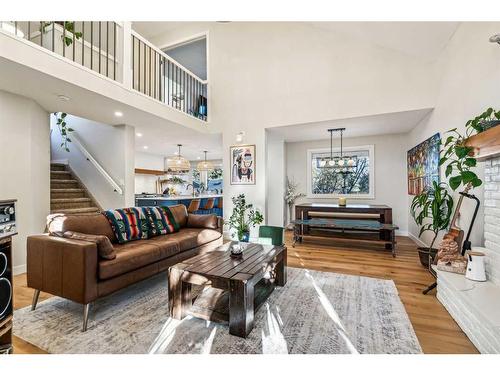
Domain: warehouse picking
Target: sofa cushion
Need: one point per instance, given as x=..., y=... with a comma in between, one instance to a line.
x=104, y=246
x=129, y=256
x=96, y=224
x=160, y=221
x=168, y=246
x=189, y=238
x=202, y=221
x=179, y=211
x=128, y=224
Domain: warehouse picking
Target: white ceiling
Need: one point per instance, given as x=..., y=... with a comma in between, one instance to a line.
x=387, y=123
x=424, y=40
x=160, y=142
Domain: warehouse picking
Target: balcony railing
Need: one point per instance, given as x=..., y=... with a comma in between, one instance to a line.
x=93, y=44
x=115, y=51
x=159, y=76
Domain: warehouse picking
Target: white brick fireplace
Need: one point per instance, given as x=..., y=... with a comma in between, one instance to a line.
x=476, y=305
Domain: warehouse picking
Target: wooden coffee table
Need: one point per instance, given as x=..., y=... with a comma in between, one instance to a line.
x=240, y=279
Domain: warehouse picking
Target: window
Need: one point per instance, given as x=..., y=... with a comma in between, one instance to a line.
x=332, y=183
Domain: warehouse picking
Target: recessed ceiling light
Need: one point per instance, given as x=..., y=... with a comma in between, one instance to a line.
x=138, y=134
x=118, y=114
x=64, y=98
x=146, y=147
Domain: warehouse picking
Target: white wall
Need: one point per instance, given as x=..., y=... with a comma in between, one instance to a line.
x=390, y=171
x=470, y=83
x=275, y=179
x=274, y=74
x=145, y=183
x=25, y=170
x=112, y=147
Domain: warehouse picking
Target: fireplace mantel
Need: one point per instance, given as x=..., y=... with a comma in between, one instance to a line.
x=486, y=144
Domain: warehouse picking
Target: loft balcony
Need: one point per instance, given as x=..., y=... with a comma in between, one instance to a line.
x=113, y=51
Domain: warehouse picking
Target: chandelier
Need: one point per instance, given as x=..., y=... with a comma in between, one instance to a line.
x=340, y=164
x=205, y=165
x=177, y=164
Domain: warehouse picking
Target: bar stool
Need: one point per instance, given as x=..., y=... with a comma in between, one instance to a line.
x=194, y=205
x=220, y=205
x=209, y=205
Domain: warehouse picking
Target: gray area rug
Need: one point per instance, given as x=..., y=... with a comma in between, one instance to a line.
x=316, y=312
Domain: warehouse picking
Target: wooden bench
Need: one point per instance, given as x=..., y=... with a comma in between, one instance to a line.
x=302, y=230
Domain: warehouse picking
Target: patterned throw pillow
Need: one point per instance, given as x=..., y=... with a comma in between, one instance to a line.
x=173, y=225
x=127, y=224
x=161, y=221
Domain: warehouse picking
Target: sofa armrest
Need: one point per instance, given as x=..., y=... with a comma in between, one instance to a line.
x=63, y=267
x=220, y=224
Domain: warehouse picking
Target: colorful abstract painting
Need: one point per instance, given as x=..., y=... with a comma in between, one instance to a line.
x=423, y=165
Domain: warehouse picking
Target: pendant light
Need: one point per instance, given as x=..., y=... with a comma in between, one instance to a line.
x=177, y=164
x=344, y=165
x=205, y=165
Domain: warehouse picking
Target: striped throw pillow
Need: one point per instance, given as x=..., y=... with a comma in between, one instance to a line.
x=127, y=223
x=158, y=223
x=173, y=225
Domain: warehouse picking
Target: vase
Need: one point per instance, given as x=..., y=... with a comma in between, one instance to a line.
x=244, y=236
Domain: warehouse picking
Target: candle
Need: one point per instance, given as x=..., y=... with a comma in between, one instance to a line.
x=342, y=201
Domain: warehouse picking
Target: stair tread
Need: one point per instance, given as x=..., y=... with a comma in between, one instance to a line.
x=63, y=200
x=75, y=210
x=63, y=180
x=68, y=190
x=60, y=172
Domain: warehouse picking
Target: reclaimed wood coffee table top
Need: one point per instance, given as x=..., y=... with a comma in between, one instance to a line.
x=220, y=264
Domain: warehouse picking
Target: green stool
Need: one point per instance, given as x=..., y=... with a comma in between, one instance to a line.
x=275, y=234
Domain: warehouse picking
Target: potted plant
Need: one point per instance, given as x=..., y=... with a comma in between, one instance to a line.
x=291, y=195
x=240, y=220
x=432, y=212
x=486, y=120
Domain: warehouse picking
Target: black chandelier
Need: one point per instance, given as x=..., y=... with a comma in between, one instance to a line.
x=340, y=164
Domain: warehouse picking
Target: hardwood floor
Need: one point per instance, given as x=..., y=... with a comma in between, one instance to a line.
x=437, y=332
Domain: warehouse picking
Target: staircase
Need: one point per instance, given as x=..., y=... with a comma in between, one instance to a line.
x=67, y=194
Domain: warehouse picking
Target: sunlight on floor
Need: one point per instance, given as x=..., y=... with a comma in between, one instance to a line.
x=273, y=341
x=165, y=336
x=330, y=310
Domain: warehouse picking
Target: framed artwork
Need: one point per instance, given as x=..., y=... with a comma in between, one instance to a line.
x=242, y=164
x=423, y=165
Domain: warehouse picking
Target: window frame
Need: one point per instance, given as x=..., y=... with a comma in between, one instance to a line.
x=371, y=156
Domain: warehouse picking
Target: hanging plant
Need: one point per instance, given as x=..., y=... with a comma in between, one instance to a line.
x=458, y=157
x=64, y=130
x=487, y=119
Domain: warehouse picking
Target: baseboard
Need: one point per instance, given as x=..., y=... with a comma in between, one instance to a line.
x=417, y=240
x=17, y=270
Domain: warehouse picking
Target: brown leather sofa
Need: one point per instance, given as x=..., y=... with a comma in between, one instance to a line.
x=73, y=269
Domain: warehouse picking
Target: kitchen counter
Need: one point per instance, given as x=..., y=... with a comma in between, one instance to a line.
x=179, y=197
x=141, y=201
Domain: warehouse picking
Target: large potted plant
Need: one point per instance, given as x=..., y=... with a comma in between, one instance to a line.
x=243, y=217
x=432, y=211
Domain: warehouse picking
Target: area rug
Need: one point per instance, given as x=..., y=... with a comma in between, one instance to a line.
x=316, y=312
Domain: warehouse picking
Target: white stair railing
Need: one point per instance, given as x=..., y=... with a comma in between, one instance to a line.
x=77, y=142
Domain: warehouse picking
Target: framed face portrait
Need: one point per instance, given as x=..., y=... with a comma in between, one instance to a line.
x=242, y=159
